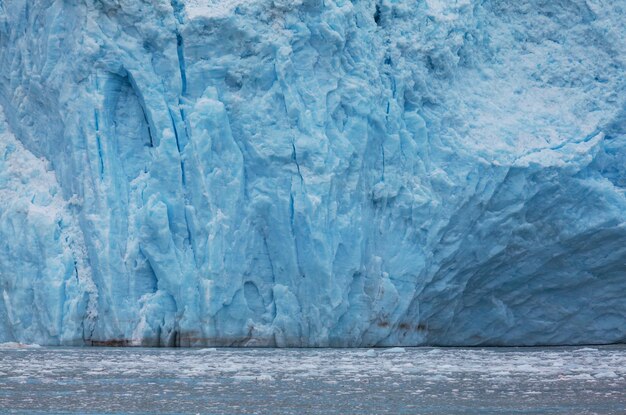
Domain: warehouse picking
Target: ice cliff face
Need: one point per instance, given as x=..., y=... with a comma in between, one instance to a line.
x=312, y=172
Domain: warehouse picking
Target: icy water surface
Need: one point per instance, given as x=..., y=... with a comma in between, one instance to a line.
x=323, y=381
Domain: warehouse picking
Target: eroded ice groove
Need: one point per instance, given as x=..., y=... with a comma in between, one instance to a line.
x=314, y=173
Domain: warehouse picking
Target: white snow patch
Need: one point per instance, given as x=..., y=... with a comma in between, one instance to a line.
x=210, y=8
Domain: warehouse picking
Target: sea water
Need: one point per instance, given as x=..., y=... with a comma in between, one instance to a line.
x=570, y=380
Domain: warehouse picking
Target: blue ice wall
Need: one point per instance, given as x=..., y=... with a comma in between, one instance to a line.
x=312, y=172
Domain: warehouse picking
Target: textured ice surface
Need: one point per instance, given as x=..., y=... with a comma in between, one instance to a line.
x=312, y=173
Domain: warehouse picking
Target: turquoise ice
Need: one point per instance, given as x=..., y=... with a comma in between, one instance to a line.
x=312, y=172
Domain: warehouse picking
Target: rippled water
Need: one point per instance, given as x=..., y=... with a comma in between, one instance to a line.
x=324, y=381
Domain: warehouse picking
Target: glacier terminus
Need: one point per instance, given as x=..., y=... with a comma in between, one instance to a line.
x=312, y=173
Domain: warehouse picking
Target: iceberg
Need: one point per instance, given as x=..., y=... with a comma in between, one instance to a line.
x=312, y=173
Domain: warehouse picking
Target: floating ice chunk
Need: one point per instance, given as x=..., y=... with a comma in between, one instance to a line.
x=395, y=350
x=16, y=345
x=580, y=376
x=260, y=378
x=207, y=350
x=609, y=374
x=371, y=353
x=585, y=350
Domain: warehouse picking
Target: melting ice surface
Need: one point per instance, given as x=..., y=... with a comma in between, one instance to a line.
x=312, y=173
x=329, y=381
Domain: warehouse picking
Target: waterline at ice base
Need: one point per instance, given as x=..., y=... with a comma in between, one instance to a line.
x=312, y=173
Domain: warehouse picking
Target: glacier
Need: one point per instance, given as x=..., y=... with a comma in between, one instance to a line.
x=312, y=173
